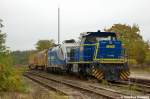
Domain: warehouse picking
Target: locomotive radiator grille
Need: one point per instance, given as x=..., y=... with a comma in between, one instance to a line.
x=97, y=73
x=124, y=75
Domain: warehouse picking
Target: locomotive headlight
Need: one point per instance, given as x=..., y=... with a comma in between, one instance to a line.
x=81, y=49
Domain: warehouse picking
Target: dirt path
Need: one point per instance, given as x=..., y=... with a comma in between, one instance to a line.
x=139, y=74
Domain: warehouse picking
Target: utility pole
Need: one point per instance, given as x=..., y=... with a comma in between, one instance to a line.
x=58, y=25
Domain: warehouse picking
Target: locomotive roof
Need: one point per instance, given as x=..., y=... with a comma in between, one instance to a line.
x=100, y=34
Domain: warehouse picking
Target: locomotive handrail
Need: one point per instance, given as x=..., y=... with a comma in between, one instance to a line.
x=79, y=59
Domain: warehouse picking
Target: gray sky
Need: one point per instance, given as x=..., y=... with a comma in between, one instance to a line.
x=27, y=21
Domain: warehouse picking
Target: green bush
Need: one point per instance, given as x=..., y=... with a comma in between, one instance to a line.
x=10, y=78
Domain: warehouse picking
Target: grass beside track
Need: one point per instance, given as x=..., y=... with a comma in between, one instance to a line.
x=34, y=91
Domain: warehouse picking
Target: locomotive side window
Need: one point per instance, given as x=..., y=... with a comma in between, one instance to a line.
x=71, y=54
x=90, y=39
x=94, y=39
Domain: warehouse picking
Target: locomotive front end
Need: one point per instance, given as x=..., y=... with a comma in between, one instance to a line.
x=110, y=61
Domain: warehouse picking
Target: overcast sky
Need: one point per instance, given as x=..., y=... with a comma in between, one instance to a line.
x=27, y=21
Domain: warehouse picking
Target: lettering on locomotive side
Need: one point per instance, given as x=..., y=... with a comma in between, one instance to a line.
x=110, y=46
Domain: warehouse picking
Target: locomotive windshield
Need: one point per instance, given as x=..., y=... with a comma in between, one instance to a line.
x=97, y=39
x=107, y=38
x=94, y=37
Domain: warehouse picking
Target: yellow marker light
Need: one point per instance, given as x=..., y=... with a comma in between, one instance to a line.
x=110, y=46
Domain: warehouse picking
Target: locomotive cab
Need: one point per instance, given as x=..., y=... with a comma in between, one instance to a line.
x=95, y=37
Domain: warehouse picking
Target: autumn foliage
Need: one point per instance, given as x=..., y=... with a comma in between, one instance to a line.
x=138, y=50
x=10, y=78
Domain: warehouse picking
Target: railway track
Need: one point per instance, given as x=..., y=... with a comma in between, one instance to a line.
x=136, y=85
x=140, y=81
x=143, y=84
x=73, y=88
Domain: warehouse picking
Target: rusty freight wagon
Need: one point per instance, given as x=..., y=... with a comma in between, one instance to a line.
x=38, y=60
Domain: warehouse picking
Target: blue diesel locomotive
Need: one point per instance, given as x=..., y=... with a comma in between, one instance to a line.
x=97, y=54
